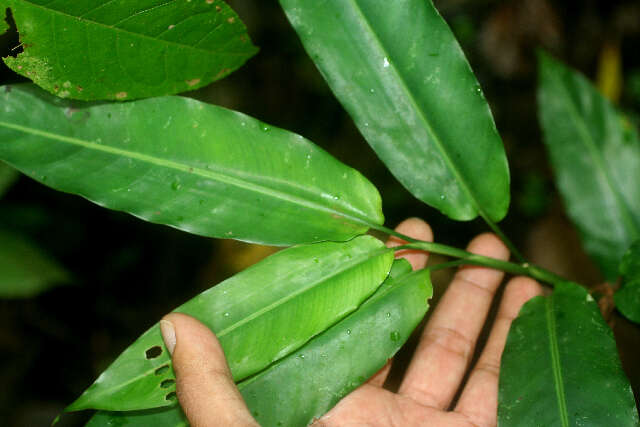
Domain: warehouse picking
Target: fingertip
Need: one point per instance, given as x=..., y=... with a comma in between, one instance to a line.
x=204, y=383
x=518, y=291
x=418, y=229
x=488, y=244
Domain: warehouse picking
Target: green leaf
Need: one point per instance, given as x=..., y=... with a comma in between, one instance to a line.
x=627, y=299
x=26, y=271
x=560, y=366
x=596, y=156
x=4, y=26
x=184, y=163
x=399, y=72
x=251, y=315
x=310, y=381
x=8, y=176
x=126, y=50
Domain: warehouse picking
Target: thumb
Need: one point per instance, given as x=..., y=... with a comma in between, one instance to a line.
x=204, y=385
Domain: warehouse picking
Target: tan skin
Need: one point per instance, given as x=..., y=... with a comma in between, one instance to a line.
x=210, y=398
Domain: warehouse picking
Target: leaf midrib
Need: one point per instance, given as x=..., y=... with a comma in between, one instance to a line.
x=555, y=361
x=421, y=114
x=143, y=36
x=345, y=267
x=594, y=153
x=215, y=176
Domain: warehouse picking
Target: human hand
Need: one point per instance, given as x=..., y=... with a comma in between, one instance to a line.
x=209, y=396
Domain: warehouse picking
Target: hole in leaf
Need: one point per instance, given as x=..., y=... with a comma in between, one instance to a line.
x=162, y=370
x=171, y=396
x=167, y=383
x=153, y=352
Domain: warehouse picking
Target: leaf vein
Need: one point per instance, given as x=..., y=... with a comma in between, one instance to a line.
x=227, y=178
x=555, y=361
x=144, y=36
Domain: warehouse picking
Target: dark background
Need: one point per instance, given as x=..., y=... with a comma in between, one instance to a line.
x=129, y=273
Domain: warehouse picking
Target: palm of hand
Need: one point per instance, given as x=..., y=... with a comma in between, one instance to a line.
x=209, y=397
x=444, y=353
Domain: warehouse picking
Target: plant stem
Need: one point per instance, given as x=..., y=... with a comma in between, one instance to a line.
x=494, y=227
x=391, y=232
x=523, y=269
x=512, y=248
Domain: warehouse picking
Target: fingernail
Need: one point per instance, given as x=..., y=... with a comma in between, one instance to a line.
x=168, y=335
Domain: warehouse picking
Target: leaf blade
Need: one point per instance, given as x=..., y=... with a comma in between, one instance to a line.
x=297, y=401
x=8, y=176
x=595, y=154
x=560, y=366
x=194, y=166
x=26, y=270
x=342, y=358
x=378, y=74
x=326, y=281
x=121, y=50
x=627, y=298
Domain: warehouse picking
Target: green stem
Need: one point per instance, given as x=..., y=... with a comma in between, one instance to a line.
x=512, y=248
x=393, y=233
x=443, y=265
x=516, y=253
x=523, y=269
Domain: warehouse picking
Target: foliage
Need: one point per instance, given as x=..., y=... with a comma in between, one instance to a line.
x=126, y=50
x=293, y=324
x=8, y=176
x=187, y=164
x=338, y=360
x=414, y=99
x=325, y=281
x=628, y=297
x=596, y=156
x=566, y=342
x=26, y=270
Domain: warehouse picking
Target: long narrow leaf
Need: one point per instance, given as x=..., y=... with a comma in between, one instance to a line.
x=627, y=299
x=8, y=176
x=400, y=73
x=252, y=314
x=309, y=382
x=560, y=366
x=4, y=26
x=191, y=165
x=26, y=271
x=121, y=50
x=595, y=153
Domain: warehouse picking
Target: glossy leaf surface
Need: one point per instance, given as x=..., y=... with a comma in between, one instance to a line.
x=627, y=299
x=251, y=314
x=120, y=50
x=194, y=166
x=310, y=381
x=8, y=177
x=25, y=270
x=400, y=73
x=560, y=366
x=595, y=153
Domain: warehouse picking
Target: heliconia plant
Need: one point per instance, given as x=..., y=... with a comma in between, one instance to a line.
x=293, y=324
